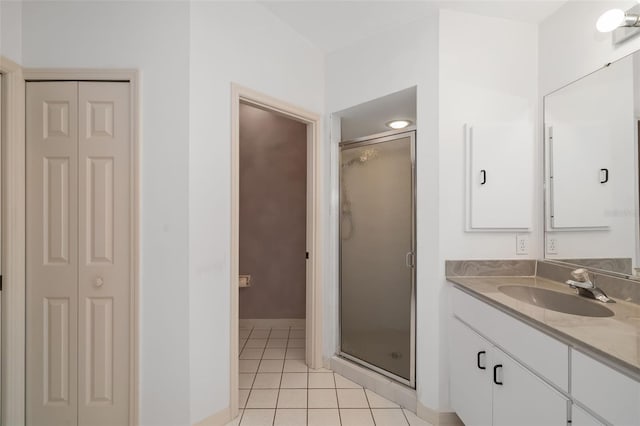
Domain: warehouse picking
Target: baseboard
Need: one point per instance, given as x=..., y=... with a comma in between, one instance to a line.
x=272, y=323
x=437, y=418
x=220, y=418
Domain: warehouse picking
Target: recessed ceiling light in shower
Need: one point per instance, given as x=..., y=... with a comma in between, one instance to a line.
x=398, y=124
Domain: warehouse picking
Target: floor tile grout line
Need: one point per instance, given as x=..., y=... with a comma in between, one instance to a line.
x=338, y=403
x=256, y=374
x=405, y=416
x=245, y=340
x=250, y=389
x=369, y=404
x=307, y=368
x=275, y=413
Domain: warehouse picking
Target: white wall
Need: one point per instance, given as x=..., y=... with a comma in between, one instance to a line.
x=154, y=38
x=487, y=75
x=391, y=61
x=11, y=30
x=243, y=43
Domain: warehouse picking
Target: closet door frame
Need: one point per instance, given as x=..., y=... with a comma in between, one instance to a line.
x=18, y=318
x=12, y=166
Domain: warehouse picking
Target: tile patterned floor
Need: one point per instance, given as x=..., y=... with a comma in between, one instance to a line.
x=277, y=388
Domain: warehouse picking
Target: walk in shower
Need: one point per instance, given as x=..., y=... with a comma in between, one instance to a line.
x=377, y=254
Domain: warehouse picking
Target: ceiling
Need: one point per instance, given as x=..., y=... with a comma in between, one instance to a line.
x=330, y=25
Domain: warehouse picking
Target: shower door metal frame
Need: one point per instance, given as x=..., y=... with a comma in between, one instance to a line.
x=373, y=140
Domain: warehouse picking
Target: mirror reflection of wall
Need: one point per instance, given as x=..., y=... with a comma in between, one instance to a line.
x=591, y=163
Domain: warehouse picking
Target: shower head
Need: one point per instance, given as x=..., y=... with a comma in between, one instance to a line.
x=366, y=155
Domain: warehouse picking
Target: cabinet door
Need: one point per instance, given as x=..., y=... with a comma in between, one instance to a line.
x=500, y=174
x=579, y=417
x=470, y=375
x=573, y=181
x=521, y=398
x=608, y=393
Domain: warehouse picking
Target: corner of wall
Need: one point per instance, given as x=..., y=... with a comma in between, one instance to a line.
x=438, y=418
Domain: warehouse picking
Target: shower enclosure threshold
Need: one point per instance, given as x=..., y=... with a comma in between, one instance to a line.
x=383, y=385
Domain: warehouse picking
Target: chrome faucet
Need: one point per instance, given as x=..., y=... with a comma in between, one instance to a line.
x=586, y=288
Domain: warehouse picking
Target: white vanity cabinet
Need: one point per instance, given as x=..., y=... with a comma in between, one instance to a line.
x=488, y=387
x=538, y=379
x=579, y=417
x=611, y=395
x=522, y=372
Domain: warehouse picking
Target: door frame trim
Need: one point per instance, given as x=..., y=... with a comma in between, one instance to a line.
x=13, y=236
x=133, y=78
x=314, y=226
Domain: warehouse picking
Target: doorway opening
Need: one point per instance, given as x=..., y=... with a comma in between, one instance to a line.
x=275, y=244
x=272, y=250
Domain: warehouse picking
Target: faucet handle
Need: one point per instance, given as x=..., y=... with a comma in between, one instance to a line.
x=581, y=275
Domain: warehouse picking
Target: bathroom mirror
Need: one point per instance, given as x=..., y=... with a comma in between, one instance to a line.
x=591, y=169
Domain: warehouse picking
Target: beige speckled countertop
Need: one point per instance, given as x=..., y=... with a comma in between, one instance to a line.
x=614, y=340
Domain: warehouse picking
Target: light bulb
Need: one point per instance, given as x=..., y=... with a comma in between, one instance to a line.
x=610, y=20
x=398, y=124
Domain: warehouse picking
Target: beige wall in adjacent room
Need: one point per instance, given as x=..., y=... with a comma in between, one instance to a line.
x=273, y=179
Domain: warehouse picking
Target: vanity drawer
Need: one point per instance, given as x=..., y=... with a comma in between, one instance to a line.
x=612, y=395
x=539, y=352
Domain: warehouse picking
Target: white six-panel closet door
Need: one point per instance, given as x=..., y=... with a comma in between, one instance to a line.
x=104, y=253
x=52, y=253
x=78, y=253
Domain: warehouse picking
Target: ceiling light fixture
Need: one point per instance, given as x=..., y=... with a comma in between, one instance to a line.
x=615, y=18
x=398, y=124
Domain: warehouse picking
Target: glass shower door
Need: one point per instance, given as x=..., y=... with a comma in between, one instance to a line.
x=377, y=256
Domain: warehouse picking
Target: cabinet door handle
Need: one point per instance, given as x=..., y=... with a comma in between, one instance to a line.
x=483, y=173
x=606, y=175
x=481, y=367
x=495, y=374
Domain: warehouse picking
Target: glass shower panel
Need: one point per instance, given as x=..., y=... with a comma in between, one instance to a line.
x=376, y=250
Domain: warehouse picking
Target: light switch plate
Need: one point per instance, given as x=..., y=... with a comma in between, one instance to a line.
x=522, y=243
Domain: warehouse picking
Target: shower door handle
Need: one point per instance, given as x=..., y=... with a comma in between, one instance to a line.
x=409, y=260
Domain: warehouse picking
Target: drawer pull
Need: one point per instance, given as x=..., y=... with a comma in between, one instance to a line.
x=495, y=374
x=481, y=367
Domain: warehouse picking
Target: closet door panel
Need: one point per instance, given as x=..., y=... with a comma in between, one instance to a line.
x=51, y=261
x=104, y=253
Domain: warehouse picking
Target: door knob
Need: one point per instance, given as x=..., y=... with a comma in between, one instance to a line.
x=99, y=282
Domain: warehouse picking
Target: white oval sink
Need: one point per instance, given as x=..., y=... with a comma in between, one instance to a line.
x=555, y=301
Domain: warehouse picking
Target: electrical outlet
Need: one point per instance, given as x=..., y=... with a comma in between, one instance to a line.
x=552, y=245
x=522, y=244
